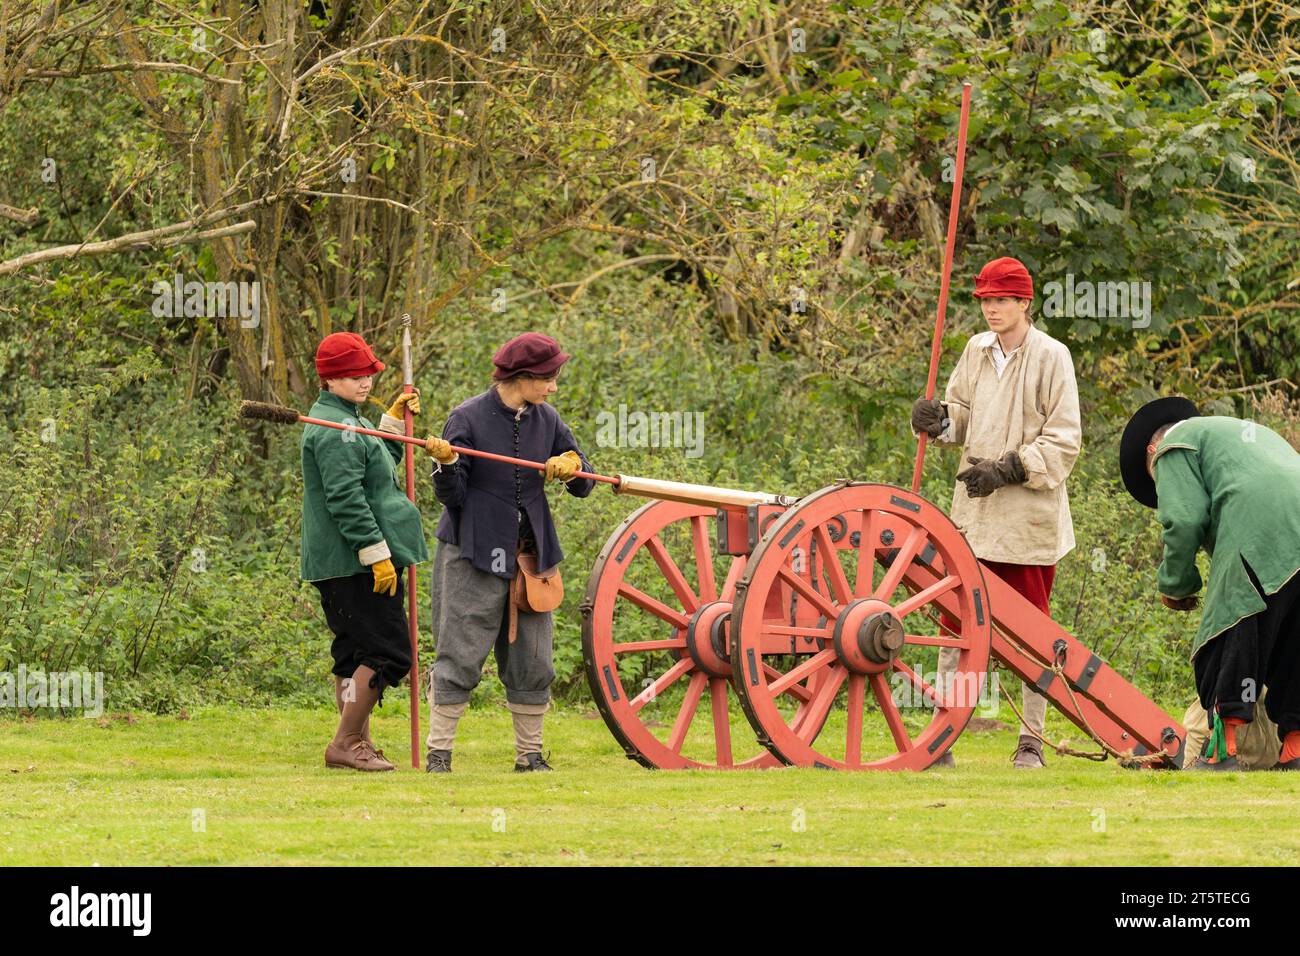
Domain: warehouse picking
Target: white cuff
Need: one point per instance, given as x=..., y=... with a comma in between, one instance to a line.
x=439, y=465
x=374, y=553
x=395, y=426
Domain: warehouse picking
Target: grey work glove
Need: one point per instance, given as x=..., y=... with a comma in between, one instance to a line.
x=928, y=417
x=986, y=476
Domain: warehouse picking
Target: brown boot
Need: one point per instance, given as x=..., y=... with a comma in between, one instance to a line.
x=358, y=756
x=1029, y=754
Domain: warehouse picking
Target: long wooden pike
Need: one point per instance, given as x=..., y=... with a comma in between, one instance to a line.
x=412, y=616
x=622, y=484
x=954, y=208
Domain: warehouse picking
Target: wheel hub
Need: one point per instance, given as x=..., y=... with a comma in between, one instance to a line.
x=868, y=637
x=707, y=638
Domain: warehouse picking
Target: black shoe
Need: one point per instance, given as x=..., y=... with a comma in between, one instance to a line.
x=1224, y=765
x=532, y=762
x=1292, y=764
x=439, y=762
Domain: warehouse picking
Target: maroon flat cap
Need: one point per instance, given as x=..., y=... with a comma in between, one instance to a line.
x=531, y=352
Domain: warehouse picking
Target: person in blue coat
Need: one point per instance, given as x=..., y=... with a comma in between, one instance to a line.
x=494, y=511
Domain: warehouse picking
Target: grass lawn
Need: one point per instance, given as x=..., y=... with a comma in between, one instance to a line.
x=121, y=791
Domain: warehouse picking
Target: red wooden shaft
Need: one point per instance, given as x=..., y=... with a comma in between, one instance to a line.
x=953, y=208
x=472, y=452
x=412, y=619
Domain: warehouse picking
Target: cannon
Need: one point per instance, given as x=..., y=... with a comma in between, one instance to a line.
x=804, y=618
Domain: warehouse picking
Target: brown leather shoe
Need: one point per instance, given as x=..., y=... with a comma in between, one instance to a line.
x=360, y=756
x=1029, y=754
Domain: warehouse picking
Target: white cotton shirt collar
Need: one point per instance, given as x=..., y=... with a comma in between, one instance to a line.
x=1001, y=360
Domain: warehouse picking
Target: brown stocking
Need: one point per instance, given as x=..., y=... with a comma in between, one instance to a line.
x=338, y=702
x=355, y=713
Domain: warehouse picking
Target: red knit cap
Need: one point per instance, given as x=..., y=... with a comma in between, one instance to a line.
x=1004, y=277
x=345, y=355
x=531, y=352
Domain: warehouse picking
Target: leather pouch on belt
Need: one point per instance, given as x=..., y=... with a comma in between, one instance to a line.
x=533, y=592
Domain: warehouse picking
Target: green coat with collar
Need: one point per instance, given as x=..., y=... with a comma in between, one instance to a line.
x=1233, y=488
x=354, y=511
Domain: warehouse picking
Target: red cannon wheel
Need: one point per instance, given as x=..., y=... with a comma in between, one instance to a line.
x=873, y=539
x=656, y=584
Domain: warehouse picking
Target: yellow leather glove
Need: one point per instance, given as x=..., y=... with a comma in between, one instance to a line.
x=563, y=467
x=385, y=577
x=398, y=408
x=440, y=449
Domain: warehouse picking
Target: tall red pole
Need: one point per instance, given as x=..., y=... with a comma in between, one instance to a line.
x=411, y=616
x=953, y=208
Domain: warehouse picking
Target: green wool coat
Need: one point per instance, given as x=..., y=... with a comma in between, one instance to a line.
x=1233, y=488
x=354, y=512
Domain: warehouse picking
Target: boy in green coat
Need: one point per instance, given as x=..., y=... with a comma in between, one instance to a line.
x=1233, y=488
x=359, y=530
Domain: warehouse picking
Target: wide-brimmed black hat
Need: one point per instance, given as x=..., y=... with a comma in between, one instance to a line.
x=1137, y=435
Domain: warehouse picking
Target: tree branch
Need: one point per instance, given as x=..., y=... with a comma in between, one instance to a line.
x=148, y=239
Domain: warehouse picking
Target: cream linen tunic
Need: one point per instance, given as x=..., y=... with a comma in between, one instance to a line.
x=1032, y=408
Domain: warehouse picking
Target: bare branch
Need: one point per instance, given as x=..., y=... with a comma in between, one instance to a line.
x=159, y=238
x=144, y=67
x=25, y=216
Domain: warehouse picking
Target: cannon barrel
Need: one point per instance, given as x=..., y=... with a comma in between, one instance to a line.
x=696, y=494
x=679, y=491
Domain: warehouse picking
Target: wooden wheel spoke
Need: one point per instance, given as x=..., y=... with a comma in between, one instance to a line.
x=798, y=630
x=928, y=693
x=733, y=575
x=853, y=735
x=924, y=597
x=819, y=600
x=665, y=681
x=632, y=647
x=721, y=721
x=811, y=723
x=673, y=574
x=703, y=559
x=866, y=554
x=890, y=711
x=800, y=671
x=932, y=640
x=831, y=562
x=656, y=607
x=906, y=552
x=687, y=712
x=797, y=691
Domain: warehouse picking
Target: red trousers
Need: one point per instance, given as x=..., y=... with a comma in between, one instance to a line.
x=1032, y=581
